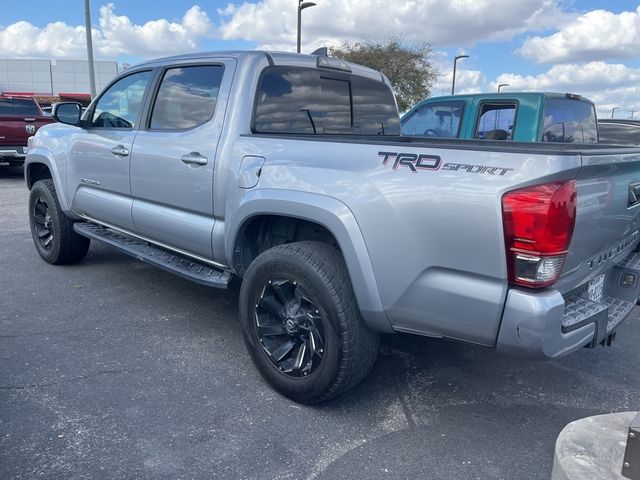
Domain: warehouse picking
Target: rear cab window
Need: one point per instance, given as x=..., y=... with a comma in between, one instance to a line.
x=302, y=100
x=619, y=133
x=18, y=106
x=496, y=120
x=569, y=120
x=435, y=119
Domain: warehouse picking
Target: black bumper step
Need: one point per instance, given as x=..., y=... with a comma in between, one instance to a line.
x=169, y=261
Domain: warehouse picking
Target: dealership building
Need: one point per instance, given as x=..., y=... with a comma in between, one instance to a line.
x=51, y=80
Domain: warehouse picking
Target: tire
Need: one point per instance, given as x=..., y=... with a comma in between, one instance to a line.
x=300, y=293
x=52, y=231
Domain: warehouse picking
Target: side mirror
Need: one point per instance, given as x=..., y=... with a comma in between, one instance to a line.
x=67, y=112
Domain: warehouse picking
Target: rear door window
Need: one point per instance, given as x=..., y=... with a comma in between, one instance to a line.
x=496, y=121
x=299, y=100
x=186, y=97
x=435, y=119
x=569, y=121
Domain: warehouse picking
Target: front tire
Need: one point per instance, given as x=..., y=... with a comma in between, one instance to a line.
x=301, y=323
x=52, y=231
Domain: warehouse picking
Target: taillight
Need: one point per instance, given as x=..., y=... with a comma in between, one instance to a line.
x=538, y=225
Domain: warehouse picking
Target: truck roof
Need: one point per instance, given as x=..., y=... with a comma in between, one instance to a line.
x=277, y=58
x=506, y=95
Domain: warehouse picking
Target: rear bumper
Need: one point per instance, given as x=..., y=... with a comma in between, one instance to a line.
x=548, y=325
x=13, y=152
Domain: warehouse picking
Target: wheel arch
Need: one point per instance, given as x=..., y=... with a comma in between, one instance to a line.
x=328, y=217
x=39, y=165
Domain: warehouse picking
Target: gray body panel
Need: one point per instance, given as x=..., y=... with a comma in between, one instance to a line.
x=173, y=200
x=98, y=181
x=424, y=249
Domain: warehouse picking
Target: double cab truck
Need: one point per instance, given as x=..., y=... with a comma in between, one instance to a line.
x=519, y=117
x=20, y=117
x=289, y=172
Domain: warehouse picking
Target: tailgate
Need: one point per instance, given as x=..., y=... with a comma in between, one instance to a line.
x=14, y=130
x=602, y=269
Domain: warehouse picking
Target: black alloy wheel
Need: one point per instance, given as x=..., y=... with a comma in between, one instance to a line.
x=52, y=231
x=289, y=327
x=42, y=223
x=301, y=322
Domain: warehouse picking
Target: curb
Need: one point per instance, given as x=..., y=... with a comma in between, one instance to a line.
x=592, y=448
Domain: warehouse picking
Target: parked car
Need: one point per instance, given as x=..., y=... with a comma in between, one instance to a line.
x=20, y=117
x=289, y=171
x=522, y=117
x=619, y=131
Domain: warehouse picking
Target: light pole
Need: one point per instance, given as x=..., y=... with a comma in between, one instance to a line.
x=301, y=6
x=502, y=85
x=87, y=29
x=614, y=109
x=453, y=83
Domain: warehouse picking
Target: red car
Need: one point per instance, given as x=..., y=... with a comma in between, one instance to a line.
x=20, y=117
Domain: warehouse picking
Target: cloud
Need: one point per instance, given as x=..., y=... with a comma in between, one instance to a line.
x=608, y=85
x=272, y=23
x=596, y=35
x=116, y=35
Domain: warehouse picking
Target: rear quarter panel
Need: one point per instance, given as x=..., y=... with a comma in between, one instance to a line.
x=434, y=236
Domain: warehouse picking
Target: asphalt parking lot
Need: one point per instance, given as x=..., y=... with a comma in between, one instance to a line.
x=114, y=369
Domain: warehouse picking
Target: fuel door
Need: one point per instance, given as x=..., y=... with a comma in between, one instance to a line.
x=250, y=169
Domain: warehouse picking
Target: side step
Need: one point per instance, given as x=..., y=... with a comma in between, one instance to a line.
x=171, y=262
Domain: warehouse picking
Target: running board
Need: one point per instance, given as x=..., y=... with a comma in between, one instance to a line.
x=169, y=261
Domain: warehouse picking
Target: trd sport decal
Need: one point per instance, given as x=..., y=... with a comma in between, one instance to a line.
x=411, y=160
x=415, y=162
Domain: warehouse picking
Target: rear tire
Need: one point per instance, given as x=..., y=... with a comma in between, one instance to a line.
x=302, y=325
x=52, y=231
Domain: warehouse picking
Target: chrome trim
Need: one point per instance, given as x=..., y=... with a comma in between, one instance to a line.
x=12, y=151
x=154, y=242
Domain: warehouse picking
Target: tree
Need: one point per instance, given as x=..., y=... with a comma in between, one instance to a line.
x=408, y=67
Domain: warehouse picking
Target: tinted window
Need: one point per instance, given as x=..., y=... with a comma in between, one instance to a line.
x=496, y=121
x=18, y=106
x=120, y=105
x=187, y=97
x=620, y=133
x=310, y=101
x=570, y=121
x=436, y=119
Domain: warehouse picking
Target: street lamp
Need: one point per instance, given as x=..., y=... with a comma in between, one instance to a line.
x=502, y=85
x=87, y=28
x=453, y=83
x=614, y=109
x=301, y=6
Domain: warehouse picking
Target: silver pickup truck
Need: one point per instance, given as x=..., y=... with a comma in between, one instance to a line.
x=288, y=171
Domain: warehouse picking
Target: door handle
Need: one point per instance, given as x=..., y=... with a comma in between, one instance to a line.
x=120, y=151
x=194, y=158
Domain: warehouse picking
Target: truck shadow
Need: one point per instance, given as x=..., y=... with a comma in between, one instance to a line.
x=7, y=171
x=426, y=373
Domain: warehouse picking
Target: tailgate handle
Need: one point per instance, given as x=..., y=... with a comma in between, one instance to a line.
x=634, y=194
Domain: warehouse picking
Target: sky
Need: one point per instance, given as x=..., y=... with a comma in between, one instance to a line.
x=581, y=46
